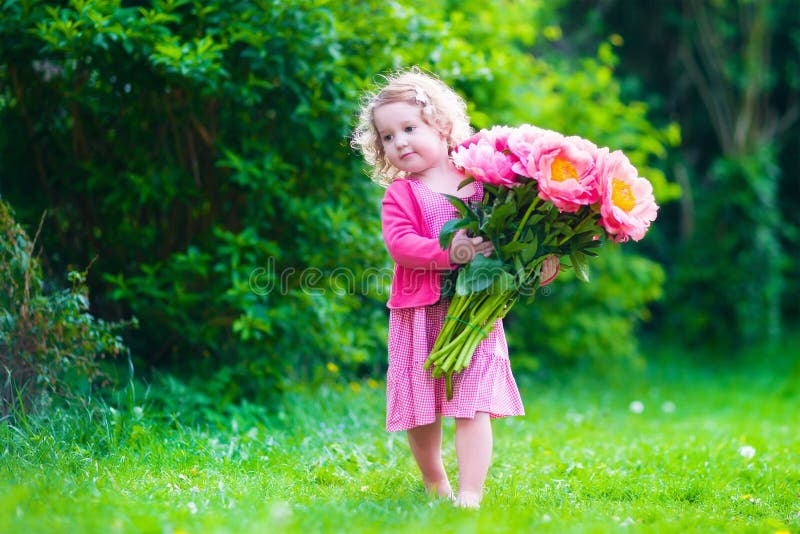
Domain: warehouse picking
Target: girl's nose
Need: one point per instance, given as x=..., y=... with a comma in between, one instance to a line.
x=401, y=140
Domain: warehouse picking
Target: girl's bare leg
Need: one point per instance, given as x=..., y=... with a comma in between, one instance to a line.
x=426, y=446
x=474, y=453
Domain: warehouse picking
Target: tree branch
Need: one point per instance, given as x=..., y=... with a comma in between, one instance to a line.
x=711, y=52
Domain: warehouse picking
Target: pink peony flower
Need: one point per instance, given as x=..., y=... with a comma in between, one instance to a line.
x=485, y=163
x=627, y=204
x=520, y=143
x=497, y=136
x=585, y=145
x=473, y=140
x=565, y=170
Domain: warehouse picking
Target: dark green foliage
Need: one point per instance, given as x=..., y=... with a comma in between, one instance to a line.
x=199, y=150
x=728, y=72
x=594, y=325
x=740, y=230
x=49, y=343
x=191, y=145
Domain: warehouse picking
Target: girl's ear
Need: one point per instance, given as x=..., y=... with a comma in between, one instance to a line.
x=448, y=137
x=448, y=134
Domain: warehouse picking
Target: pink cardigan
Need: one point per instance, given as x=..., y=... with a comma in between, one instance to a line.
x=419, y=260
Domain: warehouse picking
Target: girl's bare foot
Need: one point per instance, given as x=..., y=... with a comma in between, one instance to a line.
x=468, y=499
x=440, y=489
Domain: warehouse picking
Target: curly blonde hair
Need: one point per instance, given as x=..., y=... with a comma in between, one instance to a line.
x=440, y=106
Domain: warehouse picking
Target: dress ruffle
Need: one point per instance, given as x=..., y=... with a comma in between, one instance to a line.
x=415, y=398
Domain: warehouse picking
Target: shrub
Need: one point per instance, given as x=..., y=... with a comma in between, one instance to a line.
x=194, y=144
x=49, y=343
x=593, y=325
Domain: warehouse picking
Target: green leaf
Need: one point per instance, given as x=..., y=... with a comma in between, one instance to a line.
x=499, y=217
x=520, y=268
x=466, y=182
x=512, y=248
x=460, y=205
x=535, y=219
x=478, y=275
x=581, y=265
x=530, y=250
x=449, y=229
x=566, y=230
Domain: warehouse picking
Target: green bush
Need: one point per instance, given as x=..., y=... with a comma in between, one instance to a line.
x=741, y=226
x=591, y=324
x=199, y=150
x=729, y=72
x=211, y=138
x=49, y=343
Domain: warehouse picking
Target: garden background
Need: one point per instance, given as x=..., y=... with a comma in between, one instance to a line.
x=192, y=315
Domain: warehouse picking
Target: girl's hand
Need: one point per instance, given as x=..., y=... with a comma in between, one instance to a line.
x=463, y=248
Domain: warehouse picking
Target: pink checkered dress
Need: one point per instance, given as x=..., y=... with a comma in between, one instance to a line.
x=413, y=397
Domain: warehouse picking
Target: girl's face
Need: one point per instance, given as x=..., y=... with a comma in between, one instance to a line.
x=410, y=144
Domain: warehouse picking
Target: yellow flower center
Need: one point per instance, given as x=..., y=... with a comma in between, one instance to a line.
x=621, y=195
x=562, y=169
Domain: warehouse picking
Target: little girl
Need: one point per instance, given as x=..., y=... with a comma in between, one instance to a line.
x=406, y=131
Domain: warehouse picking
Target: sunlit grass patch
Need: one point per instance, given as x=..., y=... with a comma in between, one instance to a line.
x=674, y=449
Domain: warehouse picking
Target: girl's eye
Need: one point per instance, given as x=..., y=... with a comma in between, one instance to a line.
x=387, y=138
x=410, y=129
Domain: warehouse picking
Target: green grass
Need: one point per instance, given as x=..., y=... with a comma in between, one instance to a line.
x=580, y=460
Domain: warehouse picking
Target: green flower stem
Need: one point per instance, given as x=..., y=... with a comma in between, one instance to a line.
x=528, y=213
x=456, y=320
x=448, y=353
x=456, y=343
x=444, y=351
x=450, y=328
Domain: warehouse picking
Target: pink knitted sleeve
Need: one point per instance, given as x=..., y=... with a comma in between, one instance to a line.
x=403, y=225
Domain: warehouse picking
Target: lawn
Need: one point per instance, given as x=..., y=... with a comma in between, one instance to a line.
x=677, y=447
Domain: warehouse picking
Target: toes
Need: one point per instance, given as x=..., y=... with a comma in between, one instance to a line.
x=468, y=499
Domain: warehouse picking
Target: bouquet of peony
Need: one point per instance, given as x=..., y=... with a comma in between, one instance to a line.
x=549, y=200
